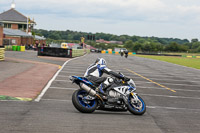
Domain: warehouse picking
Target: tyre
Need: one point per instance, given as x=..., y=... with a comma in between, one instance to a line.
x=138, y=108
x=81, y=103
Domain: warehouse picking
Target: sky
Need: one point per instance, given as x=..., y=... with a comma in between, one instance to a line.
x=158, y=18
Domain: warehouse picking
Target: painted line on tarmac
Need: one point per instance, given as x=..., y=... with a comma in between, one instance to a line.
x=61, y=88
x=179, y=84
x=170, y=108
x=54, y=77
x=150, y=80
x=56, y=100
x=63, y=76
x=153, y=95
x=168, y=96
x=75, y=68
x=137, y=82
x=72, y=71
x=166, y=74
x=163, y=88
x=174, y=80
x=62, y=81
x=150, y=107
x=174, y=74
x=141, y=82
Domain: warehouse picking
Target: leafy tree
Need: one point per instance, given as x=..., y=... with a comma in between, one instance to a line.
x=194, y=40
x=195, y=45
x=137, y=47
x=172, y=47
x=198, y=49
x=132, y=43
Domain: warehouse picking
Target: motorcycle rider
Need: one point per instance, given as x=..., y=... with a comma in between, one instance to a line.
x=126, y=53
x=95, y=71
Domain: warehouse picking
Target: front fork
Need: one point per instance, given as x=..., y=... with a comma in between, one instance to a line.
x=135, y=97
x=133, y=100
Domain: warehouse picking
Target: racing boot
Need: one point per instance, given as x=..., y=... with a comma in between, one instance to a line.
x=101, y=92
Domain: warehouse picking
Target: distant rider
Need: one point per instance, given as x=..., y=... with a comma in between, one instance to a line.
x=96, y=70
x=126, y=53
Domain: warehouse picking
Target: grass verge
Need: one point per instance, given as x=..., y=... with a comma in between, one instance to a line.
x=189, y=62
x=7, y=98
x=14, y=98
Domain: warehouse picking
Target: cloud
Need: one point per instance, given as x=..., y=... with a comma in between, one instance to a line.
x=141, y=16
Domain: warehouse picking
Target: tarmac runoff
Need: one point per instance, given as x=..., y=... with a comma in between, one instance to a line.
x=4, y=97
x=53, y=79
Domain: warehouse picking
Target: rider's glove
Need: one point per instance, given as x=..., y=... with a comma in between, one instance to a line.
x=126, y=79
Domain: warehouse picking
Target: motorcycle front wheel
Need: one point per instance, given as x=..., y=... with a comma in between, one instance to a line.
x=82, y=101
x=136, y=108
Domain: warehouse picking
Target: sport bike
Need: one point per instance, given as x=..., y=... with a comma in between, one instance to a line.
x=120, y=96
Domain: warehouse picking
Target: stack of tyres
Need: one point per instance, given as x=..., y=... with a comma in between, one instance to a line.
x=14, y=48
x=2, y=53
x=8, y=47
x=18, y=48
x=22, y=48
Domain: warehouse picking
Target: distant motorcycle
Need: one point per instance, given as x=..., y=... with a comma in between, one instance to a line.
x=126, y=55
x=121, y=96
x=121, y=53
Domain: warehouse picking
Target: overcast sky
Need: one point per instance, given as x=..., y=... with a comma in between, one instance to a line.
x=159, y=18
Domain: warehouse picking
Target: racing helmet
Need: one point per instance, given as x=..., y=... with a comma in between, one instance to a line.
x=100, y=61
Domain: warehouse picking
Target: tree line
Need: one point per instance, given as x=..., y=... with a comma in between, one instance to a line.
x=132, y=43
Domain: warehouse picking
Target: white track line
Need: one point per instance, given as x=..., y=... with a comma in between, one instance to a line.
x=182, y=97
x=57, y=100
x=63, y=76
x=72, y=71
x=137, y=82
x=141, y=82
x=61, y=88
x=150, y=107
x=171, y=108
x=143, y=87
x=54, y=77
x=62, y=81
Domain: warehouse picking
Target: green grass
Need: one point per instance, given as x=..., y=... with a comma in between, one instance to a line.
x=189, y=62
x=7, y=98
x=192, y=54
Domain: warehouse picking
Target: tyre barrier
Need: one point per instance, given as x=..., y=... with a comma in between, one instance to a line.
x=14, y=48
x=190, y=56
x=8, y=47
x=55, y=52
x=2, y=53
x=61, y=52
x=116, y=53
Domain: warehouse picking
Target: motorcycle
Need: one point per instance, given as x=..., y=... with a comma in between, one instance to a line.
x=126, y=55
x=120, y=96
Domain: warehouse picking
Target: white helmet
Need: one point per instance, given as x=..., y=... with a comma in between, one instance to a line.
x=100, y=61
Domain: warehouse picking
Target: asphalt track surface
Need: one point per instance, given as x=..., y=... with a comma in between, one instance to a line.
x=171, y=93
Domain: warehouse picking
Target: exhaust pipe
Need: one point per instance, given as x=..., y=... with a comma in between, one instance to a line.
x=90, y=91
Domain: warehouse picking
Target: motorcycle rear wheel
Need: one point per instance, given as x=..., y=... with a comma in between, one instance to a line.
x=81, y=104
x=133, y=107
